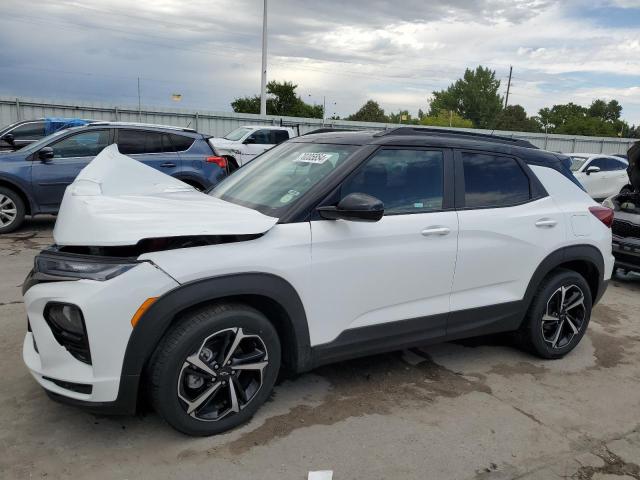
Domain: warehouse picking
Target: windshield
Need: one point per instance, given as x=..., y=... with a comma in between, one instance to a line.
x=281, y=176
x=577, y=162
x=43, y=141
x=237, y=134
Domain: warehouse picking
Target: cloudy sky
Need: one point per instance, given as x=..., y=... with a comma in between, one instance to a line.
x=395, y=52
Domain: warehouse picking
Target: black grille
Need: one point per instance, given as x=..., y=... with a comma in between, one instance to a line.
x=625, y=229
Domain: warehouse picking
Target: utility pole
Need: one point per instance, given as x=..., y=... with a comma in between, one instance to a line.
x=506, y=99
x=139, y=103
x=324, y=108
x=263, y=87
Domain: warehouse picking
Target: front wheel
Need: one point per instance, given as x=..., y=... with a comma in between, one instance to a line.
x=558, y=315
x=214, y=369
x=12, y=210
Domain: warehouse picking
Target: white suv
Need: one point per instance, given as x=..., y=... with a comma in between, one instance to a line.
x=601, y=175
x=328, y=247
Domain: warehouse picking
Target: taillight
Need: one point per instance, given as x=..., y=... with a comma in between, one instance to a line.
x=220, y=161
x=604, y=214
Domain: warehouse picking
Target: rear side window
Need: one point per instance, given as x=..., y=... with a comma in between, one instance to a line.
x=262, y=137
x=180, y=142
x=493, y=181
x=29, y=131
x=132, y=142
x=279, y=136
x=607, y=164
x=407, y=181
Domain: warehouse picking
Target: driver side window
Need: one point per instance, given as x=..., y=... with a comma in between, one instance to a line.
x=407, y=181
x=85, y=144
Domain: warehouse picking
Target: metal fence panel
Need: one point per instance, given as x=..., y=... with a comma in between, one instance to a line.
x=220, y=123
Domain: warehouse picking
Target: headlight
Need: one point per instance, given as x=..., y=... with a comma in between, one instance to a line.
x=69, y=267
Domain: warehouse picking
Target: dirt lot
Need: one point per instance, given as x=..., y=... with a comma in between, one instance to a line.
x=475, y=409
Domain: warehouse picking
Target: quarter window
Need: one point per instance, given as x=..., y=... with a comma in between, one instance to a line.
x=279, y=136
x=493, y=181
x=86, y=144
x=407, y=181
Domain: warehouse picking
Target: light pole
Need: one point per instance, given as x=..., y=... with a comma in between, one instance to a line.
x=263, y=86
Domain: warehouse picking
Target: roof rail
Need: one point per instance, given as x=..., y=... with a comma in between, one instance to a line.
x=330, y=130
x=450, y=132
x=138, y=124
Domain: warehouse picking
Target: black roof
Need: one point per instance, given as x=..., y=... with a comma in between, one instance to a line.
x=416, y=136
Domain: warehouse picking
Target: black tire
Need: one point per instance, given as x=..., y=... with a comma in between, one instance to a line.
x=626, y=189
x=20, y=210
x=537, y=335
x=169, y=370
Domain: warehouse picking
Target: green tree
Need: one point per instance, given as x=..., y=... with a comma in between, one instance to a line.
x=514, y=118
x=281, y=100
x=602, y=118
x=609, y=112
x=474, y=96
x=446, y=119
x=369, y=112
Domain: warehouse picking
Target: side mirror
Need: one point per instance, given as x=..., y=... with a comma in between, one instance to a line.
x=356, y=207
x=45, y=153
x=9, y=138
x=591, y=170
x=249, y=140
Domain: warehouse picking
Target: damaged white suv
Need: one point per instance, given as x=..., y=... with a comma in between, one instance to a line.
x=327, y=247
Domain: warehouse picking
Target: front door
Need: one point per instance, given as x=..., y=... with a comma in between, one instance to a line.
x=399, y=269
x=71, y=154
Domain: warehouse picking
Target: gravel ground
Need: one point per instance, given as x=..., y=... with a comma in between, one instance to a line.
x=473, y=409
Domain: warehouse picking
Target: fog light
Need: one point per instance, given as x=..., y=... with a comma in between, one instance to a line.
x=68, y=328
x=67, y=317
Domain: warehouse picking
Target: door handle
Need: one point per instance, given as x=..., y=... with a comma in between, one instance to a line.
x=168, y=165
x=440, y=231
x=546, y=223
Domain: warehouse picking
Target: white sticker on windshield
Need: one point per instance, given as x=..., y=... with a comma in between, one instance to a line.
x=313, y=157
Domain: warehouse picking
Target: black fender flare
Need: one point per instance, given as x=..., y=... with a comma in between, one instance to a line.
x=583, y=253
x=158, y=318
x=16, y=185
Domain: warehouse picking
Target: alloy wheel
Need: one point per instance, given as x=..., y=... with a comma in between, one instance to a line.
x=8, y=211
x=223, y=375
x=564, y=316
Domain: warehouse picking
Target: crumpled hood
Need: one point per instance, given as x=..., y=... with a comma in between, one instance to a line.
x=223, y=144
x=116, y=201
x=633, y=154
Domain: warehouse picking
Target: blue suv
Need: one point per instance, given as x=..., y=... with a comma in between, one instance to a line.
x=33, y=179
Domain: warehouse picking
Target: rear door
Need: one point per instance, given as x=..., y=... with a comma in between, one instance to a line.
x=508, y=225
x=70, y=155
x=150, y=147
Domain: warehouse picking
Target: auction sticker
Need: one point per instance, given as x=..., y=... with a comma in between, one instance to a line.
x=312, y=157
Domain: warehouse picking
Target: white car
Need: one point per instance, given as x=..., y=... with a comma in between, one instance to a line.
x=244, y=143
x=327, y=247
x=601, y=175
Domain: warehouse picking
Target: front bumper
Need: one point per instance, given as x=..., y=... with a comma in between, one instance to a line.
x=107, y=307
x=627, y=253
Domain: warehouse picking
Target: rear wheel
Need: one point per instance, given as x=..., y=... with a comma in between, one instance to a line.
x=12, y=210
x=214, y=369
x=558, y=316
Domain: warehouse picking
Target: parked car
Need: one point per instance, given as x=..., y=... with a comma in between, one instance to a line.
x=601, y=175
x=20, y=134
x=33, y=179
x=626, y=223
x=327, y=247
x=241, y=145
